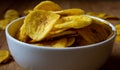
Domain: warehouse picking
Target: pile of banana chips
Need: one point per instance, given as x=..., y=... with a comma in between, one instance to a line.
x=51, y=26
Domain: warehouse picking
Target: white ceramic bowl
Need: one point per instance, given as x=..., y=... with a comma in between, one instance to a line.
x=31, y=57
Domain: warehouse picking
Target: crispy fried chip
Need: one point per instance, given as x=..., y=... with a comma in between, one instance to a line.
x=73, y=11
x=104, y=25
x=3, y=24
x=61, y=43
x=11, y=14
x=27, y=11
x=100, y=15
x=88, y=35
x=4, y=56
x=64, y=33
x=74, y=22
x=70, y=41
x=80, y=41
x=94, y=33
x=118, y=29
x=8, y=17
x=117, y=26
x=22, y=36
x=48, y=6
x=103, y=15
x=117, y=39
x=39, y=23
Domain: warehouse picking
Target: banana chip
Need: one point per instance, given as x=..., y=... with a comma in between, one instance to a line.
x=4, y=56
x=103, y=15
x=117, y=39
x=11, y=14
x=70, y=41
x=94, y=33
x=3, y=24
x=8, y=17
x=88, y=35
x=73, y=11
x=104, y=24
x=118, y=33
x=49, y=25
x=74, y=22
x=118, y=29
x=39, y=23
x=26, y=11
x=61, y=34
x=61, y=43
x=22, y=36
x=48, y=6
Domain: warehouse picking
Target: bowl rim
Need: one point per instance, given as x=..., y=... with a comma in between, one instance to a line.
x=43, y=47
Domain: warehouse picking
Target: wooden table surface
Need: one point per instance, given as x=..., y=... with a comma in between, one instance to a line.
x=111, y=7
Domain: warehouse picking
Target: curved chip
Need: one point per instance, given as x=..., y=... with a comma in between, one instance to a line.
x=74, y=22
x=117, y=39
x=73, y=11
x=70, y=41
x=64, y=33
x=48, y=6
x=61, y=43
x=21, y=35
x=4, y=56
x=27, y=11
x=88, y=35
x=100, y=15
x=94, y=33
x=11, y=14
x=103, y=15
x=118, y=29
x=3, y=24
x=39, y=23
x=103, y=24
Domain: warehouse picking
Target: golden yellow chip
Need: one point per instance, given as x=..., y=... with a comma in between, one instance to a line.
x=21, y=35
x=11, y=14
x=117, y=39
x=102, y=15
x=73, y=11
x=104, y=25
x=39, y=23
x=64, y=33
x=48, y=6
x=117, y=26
x=80, y=41
x=26, y=11
x=118, y=29
x=70, y=41
x=74, y=22
x=88, y=35
x=61, y=43
x=99, y=31
x=3, y=24
x=4, y=56
x=94, y=33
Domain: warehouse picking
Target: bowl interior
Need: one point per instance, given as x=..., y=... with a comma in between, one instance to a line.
x=15, y=25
